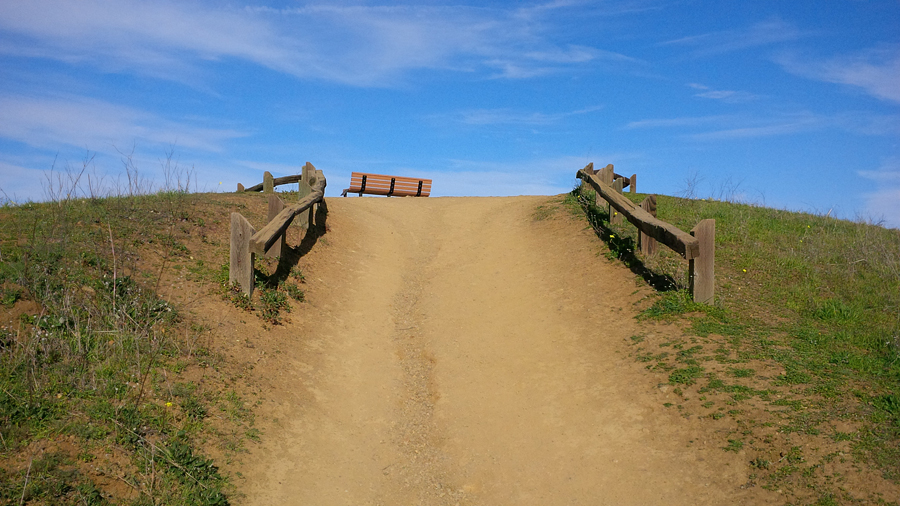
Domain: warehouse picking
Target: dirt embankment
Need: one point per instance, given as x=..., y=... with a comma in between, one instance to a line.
x=459, y=351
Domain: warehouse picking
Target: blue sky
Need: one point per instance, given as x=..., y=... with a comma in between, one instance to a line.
x=788, y=104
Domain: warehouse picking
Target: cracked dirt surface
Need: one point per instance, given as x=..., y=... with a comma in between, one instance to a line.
x=460, y=351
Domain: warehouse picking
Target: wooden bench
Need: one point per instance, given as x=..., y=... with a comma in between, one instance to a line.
x=392, y=186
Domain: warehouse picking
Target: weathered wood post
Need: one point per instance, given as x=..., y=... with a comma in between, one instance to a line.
x=241, y=260
x=589, y=168
x=268, y=182
x=632, y=184
x=702, y=269
x=606, y=176
x=645, y=242
x=240, y=188
x=275, y=207
x=304, y=188
x=614, y=217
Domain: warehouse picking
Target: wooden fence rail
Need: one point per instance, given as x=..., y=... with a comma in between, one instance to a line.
x=276, y=181
x=247, y=242
x=697, y=247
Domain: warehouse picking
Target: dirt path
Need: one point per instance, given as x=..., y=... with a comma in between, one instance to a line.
x=456, y=351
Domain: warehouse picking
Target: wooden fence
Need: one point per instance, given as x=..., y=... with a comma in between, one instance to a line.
x=247, y=242
x=697, y=247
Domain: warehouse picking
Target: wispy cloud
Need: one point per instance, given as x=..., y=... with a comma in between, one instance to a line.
x=513, y=117
x=888, y=172
x=84, y=122
x=23, y=187
x=352, y=44
x=678, y=122
x=730, y=96
x=766, y=33
x=723, y=127
x=884, y=202
x=875, y=71
x=768, y=127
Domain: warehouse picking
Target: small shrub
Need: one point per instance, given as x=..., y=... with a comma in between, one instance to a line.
x=272, y=302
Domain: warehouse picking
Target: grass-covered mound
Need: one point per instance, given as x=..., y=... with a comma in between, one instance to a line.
x=110, y=390
x=801, y=348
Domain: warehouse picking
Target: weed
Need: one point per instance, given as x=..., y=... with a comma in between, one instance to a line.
x=294, y=292
x=9, y=296
x=272, y=302
x=734, y=445
x=686, y=376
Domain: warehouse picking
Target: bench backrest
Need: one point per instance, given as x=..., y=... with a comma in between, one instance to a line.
x=379, y=184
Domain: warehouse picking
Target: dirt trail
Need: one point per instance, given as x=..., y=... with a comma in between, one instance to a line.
x=457, y=351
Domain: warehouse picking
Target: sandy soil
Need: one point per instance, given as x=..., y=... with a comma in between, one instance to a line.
x=458, y=351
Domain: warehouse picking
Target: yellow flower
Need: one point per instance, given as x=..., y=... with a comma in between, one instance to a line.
x=745, y=270
x=168, y=404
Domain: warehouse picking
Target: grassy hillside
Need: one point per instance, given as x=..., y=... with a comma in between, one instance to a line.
x=801, y=348
x=111, y=388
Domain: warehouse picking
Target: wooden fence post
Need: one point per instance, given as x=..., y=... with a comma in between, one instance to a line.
x=589, y=168
x=241, y=261
x=240, y=188
x=304, y=188
x=606, y=176
x=645, y=242
x=632, y=184
x=614, y=217
x=275, y=207
x=702, y=269
x=268, y=182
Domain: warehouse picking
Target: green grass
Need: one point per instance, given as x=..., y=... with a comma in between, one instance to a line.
x=270, y=299
x=816, y=298
x=89, y=360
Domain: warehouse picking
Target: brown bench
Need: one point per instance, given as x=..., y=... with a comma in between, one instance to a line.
x=392, y=186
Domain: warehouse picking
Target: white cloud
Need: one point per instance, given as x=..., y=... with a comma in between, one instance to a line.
x=357, y=45
x=85, y=122
x=512, y=117
x=769, y=128
x=729, y=96
x=19, y=184
x=888, y=172
x=738, y=127
x=884, y=202
x=761, y=34
x=678, y=122
x=875, y=71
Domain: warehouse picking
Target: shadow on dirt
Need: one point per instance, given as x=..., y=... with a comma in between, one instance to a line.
x=622, y=247
x=291, y=255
